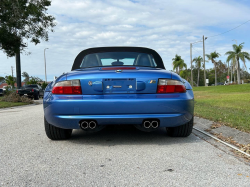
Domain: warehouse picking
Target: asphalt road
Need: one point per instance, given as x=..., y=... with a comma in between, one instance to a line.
x=116, y=156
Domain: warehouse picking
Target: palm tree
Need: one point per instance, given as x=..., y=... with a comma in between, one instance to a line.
x=10, y=80
x=233, y=65
x=178, y=63
x=238, y=54
x=198, y=61
x=211, y=57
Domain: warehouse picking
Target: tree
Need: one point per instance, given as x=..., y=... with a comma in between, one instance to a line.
x=26, y=77
x=198, y=60
x=44, y=85
x=238, y=54
x=34, y=80
x=212, y=56
x=185, y=74
x=23, y=20
x=2, y=79
x=178, y=63
x=10, y=80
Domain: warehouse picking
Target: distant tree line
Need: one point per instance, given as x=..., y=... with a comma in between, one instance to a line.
x=27, y=79
x=220, y=71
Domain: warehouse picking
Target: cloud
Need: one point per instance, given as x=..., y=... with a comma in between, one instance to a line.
x=165, y=26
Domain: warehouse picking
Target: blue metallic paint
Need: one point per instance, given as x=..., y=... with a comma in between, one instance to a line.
x=65, y=111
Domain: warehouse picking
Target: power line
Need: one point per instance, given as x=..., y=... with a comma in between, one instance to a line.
x=229, y=30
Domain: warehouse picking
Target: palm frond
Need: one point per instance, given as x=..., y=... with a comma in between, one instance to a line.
x=242, y=57
x=229, y=53
x=230, y=57
x=208, y=56
x=246, y=55
x=235, y=47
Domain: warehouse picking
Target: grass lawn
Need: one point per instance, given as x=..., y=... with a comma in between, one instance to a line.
x=10, y=104
x=227, y=104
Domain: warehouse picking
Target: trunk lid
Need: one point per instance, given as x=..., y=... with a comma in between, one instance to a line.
x=118, y=80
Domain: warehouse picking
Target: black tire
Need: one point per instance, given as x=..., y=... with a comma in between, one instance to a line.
x=181, y=131
x=55, y=133
x=36, y=96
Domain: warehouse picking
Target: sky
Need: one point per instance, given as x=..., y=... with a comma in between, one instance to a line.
x=167, y=26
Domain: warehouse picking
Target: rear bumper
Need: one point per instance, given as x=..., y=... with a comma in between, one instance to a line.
x=66, y=111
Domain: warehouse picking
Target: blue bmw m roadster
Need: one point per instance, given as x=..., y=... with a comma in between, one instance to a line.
x=118, y=85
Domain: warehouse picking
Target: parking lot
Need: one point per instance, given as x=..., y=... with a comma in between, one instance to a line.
x=116, y=156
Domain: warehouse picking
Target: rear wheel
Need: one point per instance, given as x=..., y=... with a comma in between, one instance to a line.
x=181, y=131
x=56, y=133
x=36, y=96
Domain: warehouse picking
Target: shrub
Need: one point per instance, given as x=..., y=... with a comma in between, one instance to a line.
x=8, y=90
x=44, y=85
x=14, y=97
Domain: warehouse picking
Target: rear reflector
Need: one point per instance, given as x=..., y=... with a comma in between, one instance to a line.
x=170, y=86
x=68, y=87
x=116, y=68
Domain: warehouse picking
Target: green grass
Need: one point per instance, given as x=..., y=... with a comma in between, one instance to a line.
x=10, y=104
x=229, y=105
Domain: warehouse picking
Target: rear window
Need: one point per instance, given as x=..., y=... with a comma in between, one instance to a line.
x=118, y=59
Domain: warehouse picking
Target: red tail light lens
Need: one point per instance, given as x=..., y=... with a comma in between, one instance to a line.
x=170, y=86
x=17, y=91
x=32, y=90
x=68, y=87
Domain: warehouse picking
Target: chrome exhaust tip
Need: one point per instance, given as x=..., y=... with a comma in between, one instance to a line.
x=92, y=124
x=84, y=125
x=154, y=124
x=146, y=124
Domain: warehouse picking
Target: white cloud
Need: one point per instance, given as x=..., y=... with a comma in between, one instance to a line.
x=166, y=26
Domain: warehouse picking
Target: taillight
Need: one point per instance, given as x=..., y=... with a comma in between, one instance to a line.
x=32, y=90
x=17, y=91
x=170, y=86
x=68, y=87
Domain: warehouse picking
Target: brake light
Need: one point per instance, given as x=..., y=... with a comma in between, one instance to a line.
x=17, y=91
x=68, y=87
x=32, y=90
x=116, y=68
x=170, y=86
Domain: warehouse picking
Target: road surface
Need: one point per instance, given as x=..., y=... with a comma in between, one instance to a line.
x=116, y=156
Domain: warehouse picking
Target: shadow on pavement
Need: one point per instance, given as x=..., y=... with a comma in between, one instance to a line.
x=126, y=135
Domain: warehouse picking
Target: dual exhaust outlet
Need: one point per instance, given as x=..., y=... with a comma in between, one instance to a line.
x=151, y=124
x=93, y=124
x=88, y=125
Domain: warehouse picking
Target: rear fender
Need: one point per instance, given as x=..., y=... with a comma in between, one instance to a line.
x=187, y=84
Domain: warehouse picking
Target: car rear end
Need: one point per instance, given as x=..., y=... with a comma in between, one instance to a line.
x=147, y=97
x=29, y=90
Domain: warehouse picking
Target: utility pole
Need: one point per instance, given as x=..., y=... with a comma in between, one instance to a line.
x=18, y=69
x=12, y=70
x=231, y=74
x=204, y=59
x=237, y=66
x=45, y=65
x=191, y=64
x=191, y=59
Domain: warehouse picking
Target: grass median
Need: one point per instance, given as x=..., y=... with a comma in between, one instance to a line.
x=229, y=105
x=4, y=104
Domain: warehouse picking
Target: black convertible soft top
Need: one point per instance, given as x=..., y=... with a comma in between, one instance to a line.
x=82, y=54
